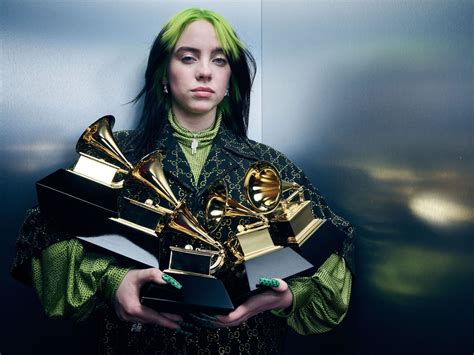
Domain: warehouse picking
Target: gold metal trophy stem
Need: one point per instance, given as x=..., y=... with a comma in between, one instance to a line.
x=149, y=172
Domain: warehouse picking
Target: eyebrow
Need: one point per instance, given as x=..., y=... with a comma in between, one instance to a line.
x=197, y=51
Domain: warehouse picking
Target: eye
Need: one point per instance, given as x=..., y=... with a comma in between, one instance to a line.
x=221, y=61
x=188, y=59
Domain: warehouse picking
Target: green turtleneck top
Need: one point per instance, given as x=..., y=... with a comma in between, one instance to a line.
x=73, y=282
x=195, y=145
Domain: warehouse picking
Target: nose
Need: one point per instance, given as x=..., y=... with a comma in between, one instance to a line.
x=203, y=71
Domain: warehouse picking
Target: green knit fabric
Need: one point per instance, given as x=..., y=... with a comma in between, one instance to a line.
x=320, y=302
x=71, y=282
x=204, y=139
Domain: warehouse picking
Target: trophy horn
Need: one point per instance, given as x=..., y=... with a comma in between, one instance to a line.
x=251, y=240
x=99, y=136
x=182, y=220
x=215, y=200
x=149, y=171
x=218, y=205
x=263, y=186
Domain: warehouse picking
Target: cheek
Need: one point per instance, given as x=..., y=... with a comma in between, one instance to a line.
x=176, y=78
x=224, y=80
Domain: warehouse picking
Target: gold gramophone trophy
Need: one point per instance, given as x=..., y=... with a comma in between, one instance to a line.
x=193, y=268
x=292, y=222
x=251, y=240
x=98, y=139
x=253, y=252
x=83, y=197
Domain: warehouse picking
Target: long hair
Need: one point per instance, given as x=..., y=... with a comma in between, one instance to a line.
x=234, y=107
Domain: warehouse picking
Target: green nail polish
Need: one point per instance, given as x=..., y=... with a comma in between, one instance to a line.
x=207, y=316
x=265, y=281
x=182, y=323
x=183, y=332
x=169, y=280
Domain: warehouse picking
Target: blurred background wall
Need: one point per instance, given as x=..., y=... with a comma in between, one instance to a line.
x=373, y=99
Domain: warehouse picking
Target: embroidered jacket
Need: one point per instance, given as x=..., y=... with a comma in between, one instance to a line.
x=228, y=159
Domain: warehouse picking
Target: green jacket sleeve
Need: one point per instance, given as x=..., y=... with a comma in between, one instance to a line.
x=320, y=302
x=71, y=282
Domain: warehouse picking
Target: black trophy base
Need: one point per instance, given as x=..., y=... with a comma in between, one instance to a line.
x=76, y=202
x=243, y=281
x=199, y=294
x=326, y=240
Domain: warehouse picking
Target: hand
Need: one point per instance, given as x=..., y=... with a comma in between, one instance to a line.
x=127, y=299
x=279, y=296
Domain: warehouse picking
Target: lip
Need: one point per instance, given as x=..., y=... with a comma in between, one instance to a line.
x=203, y=89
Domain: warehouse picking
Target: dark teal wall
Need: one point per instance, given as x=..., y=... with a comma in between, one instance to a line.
x=374, y=100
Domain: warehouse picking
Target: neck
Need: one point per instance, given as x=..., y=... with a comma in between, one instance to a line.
x=194, y=122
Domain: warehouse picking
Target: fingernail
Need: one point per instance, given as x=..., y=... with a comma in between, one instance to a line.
x=207, y=316
x=183, y=332
x=173, y=282
x=264, y=281
x=184, y=324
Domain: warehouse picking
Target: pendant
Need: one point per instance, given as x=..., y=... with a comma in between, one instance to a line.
x=194, y=145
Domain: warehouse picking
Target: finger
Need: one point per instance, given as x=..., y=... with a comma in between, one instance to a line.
x=233, y=316
x=203, y=322
x=282, y=287
x=207, y=316
x=276, y=284
x=150, y=275
x=172, y=281
x=172, y=316
x=135, y=312
x=157, y=276
x=148, y=315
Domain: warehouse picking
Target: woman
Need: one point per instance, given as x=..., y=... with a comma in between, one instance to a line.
x=196, y=105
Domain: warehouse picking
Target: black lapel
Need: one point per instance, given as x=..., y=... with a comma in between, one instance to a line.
x=226, y=149
x=175, y=163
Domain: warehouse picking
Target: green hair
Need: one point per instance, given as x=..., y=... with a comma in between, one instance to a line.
x=234, y=108
x=231, y=44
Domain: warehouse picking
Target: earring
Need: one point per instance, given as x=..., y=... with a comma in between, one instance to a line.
x=226, y=92
x=165, y=88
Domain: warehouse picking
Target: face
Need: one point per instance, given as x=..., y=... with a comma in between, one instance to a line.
x=198, y=73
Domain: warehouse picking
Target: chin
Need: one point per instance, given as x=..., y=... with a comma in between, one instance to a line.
x=201, y=109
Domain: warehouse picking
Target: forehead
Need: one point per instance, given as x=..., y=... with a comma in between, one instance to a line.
x=198, y=34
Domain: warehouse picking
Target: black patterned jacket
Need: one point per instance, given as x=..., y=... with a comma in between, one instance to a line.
x=228, y=159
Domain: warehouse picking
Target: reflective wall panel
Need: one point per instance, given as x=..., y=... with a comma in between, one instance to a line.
x=374, y=100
